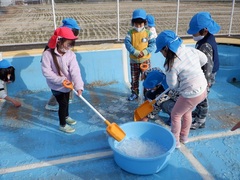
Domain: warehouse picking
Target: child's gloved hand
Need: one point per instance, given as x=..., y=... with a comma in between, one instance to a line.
x=136, y=53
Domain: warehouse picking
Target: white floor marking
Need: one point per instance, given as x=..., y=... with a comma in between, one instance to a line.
x=55, y=162
x=187, y=153
x=195, y=163
x=216, y=135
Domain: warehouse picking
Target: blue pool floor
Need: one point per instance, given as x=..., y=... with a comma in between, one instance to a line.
x=32, y=147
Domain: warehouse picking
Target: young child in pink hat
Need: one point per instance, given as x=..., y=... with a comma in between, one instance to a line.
x=59, y=64
x=52, y=104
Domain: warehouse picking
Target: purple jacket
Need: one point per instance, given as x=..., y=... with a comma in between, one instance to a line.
x=69, y=70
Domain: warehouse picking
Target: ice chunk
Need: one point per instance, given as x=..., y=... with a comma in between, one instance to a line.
x=141, y=148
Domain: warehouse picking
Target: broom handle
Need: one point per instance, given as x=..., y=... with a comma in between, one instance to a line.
x=90, y=105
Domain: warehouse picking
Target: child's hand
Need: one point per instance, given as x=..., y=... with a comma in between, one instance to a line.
x=16, y=103
x=141, y=54
x=79, y=92
x=136, y=53
x=67, y=82
x=145, y=119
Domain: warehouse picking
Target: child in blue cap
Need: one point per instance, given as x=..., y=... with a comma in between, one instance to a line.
x=154, y=83
x=183, y=74
x=52, y=104
x=7, y=75
x=202, y=27
x=140, y=43
x=151, y=26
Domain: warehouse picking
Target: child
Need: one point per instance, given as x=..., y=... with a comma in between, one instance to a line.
x=151, y=25
x=140, y=43
x=202, y=27
x=7, y=75
x=52, y=104
x=59, y=64
x=154, y=83
x=184, y=74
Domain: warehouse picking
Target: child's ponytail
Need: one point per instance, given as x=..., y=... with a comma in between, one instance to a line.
x=56, y=62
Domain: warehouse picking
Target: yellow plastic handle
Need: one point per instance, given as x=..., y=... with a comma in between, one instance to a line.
x=68, y=85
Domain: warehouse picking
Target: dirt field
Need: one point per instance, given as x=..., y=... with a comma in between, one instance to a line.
x=34, y=23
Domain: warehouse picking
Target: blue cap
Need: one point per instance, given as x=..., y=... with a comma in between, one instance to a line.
x=70, y=23
x=139, y=13
x=168, y=38
x=151, y=20
x=5, y=64
x=155, y=78
x=203, y=20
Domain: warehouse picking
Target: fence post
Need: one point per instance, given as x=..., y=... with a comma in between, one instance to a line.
x=118, y=22
x=54, y=16
x=230, y=25
x=178, y=3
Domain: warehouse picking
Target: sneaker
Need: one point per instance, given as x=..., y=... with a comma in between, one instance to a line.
x=66, y=129
x=178, y=145
x=70, y=121
x=184, y=139
x=132, y=96
x=197, y=125
x=51, y=108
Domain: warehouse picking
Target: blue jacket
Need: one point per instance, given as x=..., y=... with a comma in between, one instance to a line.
x=210, y=39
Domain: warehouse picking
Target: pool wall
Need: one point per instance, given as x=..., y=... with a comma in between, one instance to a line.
x=103, y=65
x=229, y=57
x=99, y=66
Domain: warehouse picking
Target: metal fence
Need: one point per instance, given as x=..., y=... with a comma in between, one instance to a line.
x=33, y=21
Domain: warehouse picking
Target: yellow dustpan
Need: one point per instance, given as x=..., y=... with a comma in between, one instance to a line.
x=147, y=107
x=112, y=128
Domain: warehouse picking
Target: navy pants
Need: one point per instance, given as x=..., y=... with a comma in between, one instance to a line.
x=63, y=101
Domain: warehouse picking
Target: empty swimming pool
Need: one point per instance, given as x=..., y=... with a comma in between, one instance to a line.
x=33, y=148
